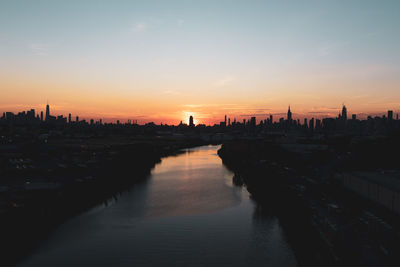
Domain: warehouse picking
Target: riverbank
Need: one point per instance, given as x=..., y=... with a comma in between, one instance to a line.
x=325, y=223
x=69, y=177
x=269, y=183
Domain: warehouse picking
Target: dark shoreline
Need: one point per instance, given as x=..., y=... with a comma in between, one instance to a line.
x=291, y=211
x=326, y=224
x=24, y=226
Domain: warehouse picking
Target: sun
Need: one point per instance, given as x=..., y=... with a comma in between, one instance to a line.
x=186, y=116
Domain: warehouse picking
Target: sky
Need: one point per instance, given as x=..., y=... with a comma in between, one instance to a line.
x=163, y=61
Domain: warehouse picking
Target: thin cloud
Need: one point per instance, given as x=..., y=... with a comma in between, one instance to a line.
x=254, y=115
x=331, y=48
x=318, y=112
x=171, y=92
x=225, y=81
x=140, y=27
x=39, y=49
x=193, y=106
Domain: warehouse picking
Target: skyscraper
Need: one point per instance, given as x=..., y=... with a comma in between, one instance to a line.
x=344, y=113
x=47, y=112
x=289, y=114
x=69, y=118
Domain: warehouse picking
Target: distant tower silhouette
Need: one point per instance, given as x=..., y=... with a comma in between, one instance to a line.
x=225, y=120
x=344, y=113
x=289, y=114
x=390, y=115
x=69, y=118
x=47, y=112
x=191, y=123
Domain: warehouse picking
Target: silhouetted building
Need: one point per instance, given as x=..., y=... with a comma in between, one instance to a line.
x=47, y=112
x=69, y=118
x=318, y=124
x=311, y=124
x=31, y=114
x=344, y=113
x=41, y=115
x=191, y=123
x=253, y=122
x=354, y=117
x=289, y=114
x=390, y=115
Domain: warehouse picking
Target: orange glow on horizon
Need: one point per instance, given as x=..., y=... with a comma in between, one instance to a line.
x=206, y=107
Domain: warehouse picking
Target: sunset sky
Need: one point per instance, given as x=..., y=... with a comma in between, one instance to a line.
x=163, y=61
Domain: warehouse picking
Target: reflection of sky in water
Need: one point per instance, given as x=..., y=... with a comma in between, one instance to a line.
x=191, y=183
x=204, y=157
x=186, y=213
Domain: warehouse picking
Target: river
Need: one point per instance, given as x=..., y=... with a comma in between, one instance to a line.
x=187, y=212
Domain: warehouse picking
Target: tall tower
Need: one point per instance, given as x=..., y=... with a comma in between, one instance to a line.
x=344, y=113
x=191, y=123
x=289, y=114
x=47, y=112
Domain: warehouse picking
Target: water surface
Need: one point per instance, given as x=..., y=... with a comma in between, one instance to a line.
x=187, y=212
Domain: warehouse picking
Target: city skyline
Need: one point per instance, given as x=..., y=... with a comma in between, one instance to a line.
x=162, y=62
x=46, y=115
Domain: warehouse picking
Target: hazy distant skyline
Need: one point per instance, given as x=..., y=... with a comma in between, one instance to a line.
x=164, y=60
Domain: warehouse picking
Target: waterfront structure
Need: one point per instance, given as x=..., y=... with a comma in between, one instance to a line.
x=382, y=188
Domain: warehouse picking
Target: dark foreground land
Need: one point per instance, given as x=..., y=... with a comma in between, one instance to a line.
x=327, y=222
x=45, y=182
